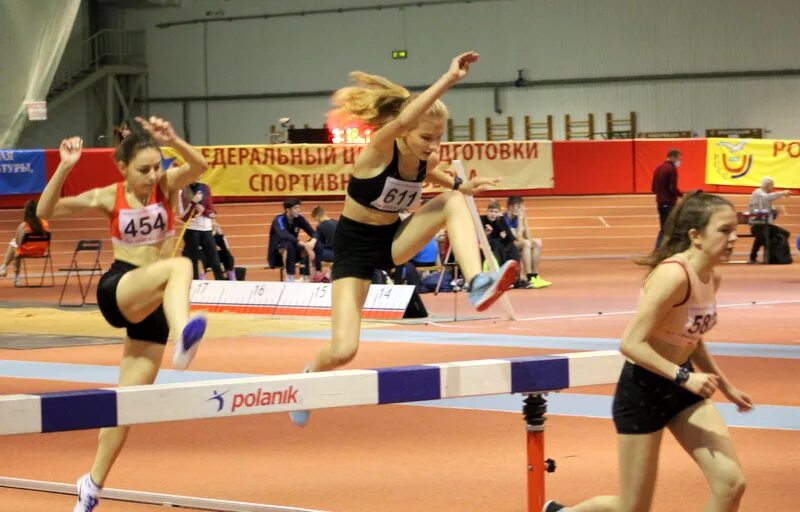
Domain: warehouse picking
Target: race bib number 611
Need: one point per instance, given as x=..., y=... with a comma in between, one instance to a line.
x=398, y=195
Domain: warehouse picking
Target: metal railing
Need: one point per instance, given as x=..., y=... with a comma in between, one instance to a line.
x=106, y=47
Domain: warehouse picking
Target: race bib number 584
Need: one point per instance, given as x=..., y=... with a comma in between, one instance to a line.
x=701, y=319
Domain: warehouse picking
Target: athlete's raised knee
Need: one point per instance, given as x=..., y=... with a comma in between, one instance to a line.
x=343, y=354
x=181, y=264
x=731, y=486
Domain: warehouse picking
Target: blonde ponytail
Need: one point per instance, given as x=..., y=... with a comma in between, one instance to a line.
x=372, y=100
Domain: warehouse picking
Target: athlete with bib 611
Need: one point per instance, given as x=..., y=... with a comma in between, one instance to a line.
x=145, y=290
x=387, y=179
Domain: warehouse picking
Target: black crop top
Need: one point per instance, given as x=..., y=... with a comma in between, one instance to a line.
x=388, y=191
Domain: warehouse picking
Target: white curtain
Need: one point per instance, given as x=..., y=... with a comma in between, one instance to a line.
x=33, y=34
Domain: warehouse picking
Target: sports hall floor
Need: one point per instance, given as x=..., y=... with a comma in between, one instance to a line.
x=463, y=455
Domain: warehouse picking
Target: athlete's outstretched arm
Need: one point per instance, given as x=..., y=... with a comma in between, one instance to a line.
x=459, y=67
x=51, y=205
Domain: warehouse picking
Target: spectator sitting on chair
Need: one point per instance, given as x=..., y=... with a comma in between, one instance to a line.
x=762, y=214
x=326, y=233
x=30, y=224
x=285, y=247
x=428, y=256
x=530, y=248
x=501, y=238
x=197, y=208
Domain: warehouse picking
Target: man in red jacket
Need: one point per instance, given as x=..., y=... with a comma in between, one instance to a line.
x=665, y=187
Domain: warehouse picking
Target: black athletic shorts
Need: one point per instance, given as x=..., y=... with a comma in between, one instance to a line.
x=646, y=402
x=360, y=249
x=153, y=328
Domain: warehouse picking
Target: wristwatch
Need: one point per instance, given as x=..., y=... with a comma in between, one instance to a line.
x=681, y=376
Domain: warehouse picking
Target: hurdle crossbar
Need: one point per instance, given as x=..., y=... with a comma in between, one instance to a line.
x=150, y=498
x=111, y=407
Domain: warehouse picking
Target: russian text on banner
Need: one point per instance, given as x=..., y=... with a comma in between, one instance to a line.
x=745, y=162
x=324, y=169
x=22, y=171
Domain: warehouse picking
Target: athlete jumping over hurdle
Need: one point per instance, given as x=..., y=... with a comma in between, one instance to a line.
x=145, y=290
x=659, y=387
x=387, y=178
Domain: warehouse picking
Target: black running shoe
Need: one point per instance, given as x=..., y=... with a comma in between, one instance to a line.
x=552, y=506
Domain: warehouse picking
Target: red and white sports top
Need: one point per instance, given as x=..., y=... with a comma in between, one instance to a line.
x=149, y=225
x=694, y=316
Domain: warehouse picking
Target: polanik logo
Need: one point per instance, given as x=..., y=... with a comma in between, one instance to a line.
x=219, y=398
x=731, y=161
x=258, y=398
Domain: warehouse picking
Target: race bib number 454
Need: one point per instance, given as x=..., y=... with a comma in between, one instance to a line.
x=144, y=225
x=398, y=195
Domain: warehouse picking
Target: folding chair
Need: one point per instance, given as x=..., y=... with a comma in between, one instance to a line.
x=75, y=267
x=33, y=247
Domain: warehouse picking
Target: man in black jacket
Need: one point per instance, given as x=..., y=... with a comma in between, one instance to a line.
x=285, y=247
x=501, y=239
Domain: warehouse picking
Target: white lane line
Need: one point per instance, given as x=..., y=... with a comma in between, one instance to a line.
x=630, y=312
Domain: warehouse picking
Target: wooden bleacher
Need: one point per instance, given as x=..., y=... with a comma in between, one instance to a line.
x=579, y=129
x=500, y=131
x=458, y=132
x=620, y=128
x=539, y=130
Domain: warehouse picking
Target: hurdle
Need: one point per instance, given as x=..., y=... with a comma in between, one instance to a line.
x=111, y=407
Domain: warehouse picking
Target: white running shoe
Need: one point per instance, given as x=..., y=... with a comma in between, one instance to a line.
x=88, y=494
x=300, y=418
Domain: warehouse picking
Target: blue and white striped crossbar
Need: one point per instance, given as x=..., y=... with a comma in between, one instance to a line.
x=96, y=408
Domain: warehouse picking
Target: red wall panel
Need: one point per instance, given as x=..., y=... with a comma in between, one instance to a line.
x=649, y=154
x=96, y=168
x=593, y=167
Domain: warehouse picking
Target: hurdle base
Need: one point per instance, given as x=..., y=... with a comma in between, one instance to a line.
x=533, y=411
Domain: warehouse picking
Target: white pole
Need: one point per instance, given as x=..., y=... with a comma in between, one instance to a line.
x=504, y=301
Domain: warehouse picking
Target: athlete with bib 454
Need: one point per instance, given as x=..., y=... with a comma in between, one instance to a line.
x=387, y=179
x=145, y=290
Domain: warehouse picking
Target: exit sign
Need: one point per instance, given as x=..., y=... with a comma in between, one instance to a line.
x=399, y=54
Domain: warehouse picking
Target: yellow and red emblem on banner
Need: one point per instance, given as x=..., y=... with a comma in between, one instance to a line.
x=746, y=161
x=324, y=169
